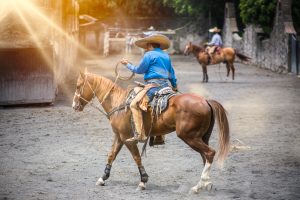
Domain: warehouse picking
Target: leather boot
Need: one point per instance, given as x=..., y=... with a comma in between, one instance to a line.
x=138, y=123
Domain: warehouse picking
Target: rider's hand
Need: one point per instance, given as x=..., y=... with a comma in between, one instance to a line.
x=175, y=89
x=124, y=61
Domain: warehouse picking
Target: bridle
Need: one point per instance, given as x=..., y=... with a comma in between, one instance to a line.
x=113, y=110
x=79, y=95
x=188, y=50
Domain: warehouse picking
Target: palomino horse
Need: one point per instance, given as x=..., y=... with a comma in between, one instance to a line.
x=191, y=116
x=226, y=55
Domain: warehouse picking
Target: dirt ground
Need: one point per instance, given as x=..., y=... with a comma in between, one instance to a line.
x=52, y=152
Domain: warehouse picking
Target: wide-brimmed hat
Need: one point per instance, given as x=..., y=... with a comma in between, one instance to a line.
x=151, y=28
x=214, y=30
x=154, y=38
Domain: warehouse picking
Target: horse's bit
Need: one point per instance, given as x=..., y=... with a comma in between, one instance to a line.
x=94, y=94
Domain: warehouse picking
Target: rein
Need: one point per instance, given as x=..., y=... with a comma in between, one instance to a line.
x=118, y=108
x=94, y=95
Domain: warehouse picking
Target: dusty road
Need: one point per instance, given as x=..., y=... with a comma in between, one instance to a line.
x=54, y=153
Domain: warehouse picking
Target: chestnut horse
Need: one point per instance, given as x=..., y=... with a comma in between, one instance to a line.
x=226, y=55
x=191, y=116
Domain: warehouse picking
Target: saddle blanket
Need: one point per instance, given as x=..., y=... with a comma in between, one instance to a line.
x=159, y=102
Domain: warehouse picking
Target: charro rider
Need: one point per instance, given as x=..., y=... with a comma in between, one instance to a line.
x=215, y=42
x=158, y=72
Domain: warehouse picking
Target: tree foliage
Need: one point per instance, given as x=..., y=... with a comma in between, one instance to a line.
x=296, y=14
x=154, y=8
x=259, y=12
x=133, y=8
x=186, y=7
x=195, y=8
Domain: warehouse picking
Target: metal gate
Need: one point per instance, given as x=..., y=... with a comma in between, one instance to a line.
x=26, y=77
x=294, y=60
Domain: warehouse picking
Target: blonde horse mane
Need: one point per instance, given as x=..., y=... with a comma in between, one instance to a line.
x=117, y=93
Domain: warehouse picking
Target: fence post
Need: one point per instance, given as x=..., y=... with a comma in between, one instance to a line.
x=298, y=56
x=292, y=64
x=106, y=43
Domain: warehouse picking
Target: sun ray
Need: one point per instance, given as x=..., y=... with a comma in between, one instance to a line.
x=23, y=15
x=4, y=9
x=34, y=35
x=57, y=28
x=25, y=9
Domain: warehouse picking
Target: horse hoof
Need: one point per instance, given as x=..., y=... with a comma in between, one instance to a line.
x=194, y=190
x=141, y=186
x=100, y=182
x=209, y=187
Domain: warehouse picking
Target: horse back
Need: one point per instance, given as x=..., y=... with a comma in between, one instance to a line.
x=228, y=50
x=183, y=108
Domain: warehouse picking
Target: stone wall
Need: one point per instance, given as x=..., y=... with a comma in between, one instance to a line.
x=269, y=53
x=272, y=53
x=193, y=31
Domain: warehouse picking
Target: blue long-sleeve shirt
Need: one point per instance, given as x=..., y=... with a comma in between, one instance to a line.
x=216, y=40
x=156, y=64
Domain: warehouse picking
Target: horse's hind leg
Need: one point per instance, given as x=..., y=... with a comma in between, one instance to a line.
x=205, y=76
x=138, y=160
x=205, y=182
x=228, y=68
x=233, y=70
x=116, y=147
x=208, y=154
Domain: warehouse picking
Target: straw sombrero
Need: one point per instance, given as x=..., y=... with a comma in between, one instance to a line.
x=155, y=38
x=214, y=30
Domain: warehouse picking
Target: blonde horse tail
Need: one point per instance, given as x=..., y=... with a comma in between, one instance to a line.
x=220, y=115
x=242, y=56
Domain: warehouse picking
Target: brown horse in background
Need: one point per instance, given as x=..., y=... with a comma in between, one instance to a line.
x=225, y=55
x=191, y=116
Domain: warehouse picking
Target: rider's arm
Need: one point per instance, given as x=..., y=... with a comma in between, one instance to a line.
x=142, y=67
x=213, y=40
x=172, y=76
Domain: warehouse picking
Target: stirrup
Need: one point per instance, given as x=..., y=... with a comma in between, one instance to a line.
x=132, y=140
x=135, y=139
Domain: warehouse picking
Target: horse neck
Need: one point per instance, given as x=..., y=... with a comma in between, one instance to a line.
x=109, y=94
x=197, y=50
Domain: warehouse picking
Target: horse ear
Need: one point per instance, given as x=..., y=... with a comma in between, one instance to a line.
x=190, y=43
x=82, y=74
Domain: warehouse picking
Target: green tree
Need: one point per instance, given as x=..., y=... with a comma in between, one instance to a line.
x=296, y=14
x=213, y=9
x=133, y=8
x=259, y=12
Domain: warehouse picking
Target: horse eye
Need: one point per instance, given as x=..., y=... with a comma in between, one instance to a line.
x=78, y=87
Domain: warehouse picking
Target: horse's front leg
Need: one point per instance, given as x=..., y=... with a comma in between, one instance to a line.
x=138, y=160
x=116, y=147
x=205, y=76
x=233, y=71
x=228, y=69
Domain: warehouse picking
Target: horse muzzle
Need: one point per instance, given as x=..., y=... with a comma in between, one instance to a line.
x=77, y=106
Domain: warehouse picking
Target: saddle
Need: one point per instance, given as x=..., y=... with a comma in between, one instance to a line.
x=213, y=50
x=218, y=50
x=159, y=102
